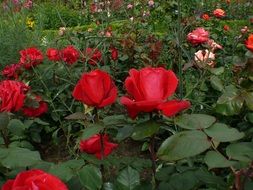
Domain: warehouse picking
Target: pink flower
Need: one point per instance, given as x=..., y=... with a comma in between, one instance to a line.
x=219, y=13
x=205, y=56
x=198, y=36
x=214, y=45
x=130, y=6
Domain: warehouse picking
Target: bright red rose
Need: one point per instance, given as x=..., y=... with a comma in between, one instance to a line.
x=36, y=111
x=114, y=53
x=30, y=57
x=34, y=180
x=53, y=54
x=249, y=43
x=93, y=55
x=149, y=90
x=219, y=13
x=93, y=146
x=69, y=55
x=95, y=88
x=11, y=71
x=12, y=95
x=198, y=36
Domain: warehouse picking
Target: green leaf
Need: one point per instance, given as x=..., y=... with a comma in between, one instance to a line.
x=66, y=170
x=230, y=103
x=183, y=144
x=248, y=97
x=76, y=116
x=128, y=179
x=240, y=151
x=108, y=186
x=194, y=121
x=16, y=127
x=217, y=71
x=124, y=132
x=145, y=129
x=90, y=177
x=250, y=117
x=91, y=130
x=4, y=120
x=222, y=133
x=114, y=120
x=216, y=160
x=216, y=83
x=15, y=157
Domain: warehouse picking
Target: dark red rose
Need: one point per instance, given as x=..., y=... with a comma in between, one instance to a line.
x=93, y=146
x=149, y=90
x=53, y=54
x=93, y=56
x=11, y=71
x=198, y=36
x=69, y=55
x=30, y=57
x=34, y=179
x=114, y=53
x=95, y=88
x=12, y=95
x=36, y=111
x=249, y=43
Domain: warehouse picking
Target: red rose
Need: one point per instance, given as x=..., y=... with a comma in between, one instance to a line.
x=11, y=71
x=93, y=146
x=249, y=43
x=149, y=90
x=30, y=57
x=226, y=28
x=53, y=54
x=94, y=56
x=219, y=13
x=198, y=36
x=95, y=89
x=36, y=111
x=12, y=95
x=114, y=53
x=34, y=179
x=70, y=55
x=205, y=17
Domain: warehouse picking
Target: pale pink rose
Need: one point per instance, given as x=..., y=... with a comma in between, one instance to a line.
x=151, y=3
x=244, y=30
x=130, y=6
x=205, y=56
x=214, y=45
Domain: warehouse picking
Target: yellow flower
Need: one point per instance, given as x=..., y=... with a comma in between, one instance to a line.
x=30, y=23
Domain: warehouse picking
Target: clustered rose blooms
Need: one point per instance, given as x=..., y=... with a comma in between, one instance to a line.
x=12, y=95
x=198, y=36
x=70, y=55
x=93, y=56
x=34, y=180
x=36, y=111
x=219, y=13
x=11, y=71
x=53, y=54
x=30, y=57
x=93, y=145
x=249, y=43
x=95, y=88
x=149, y=89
